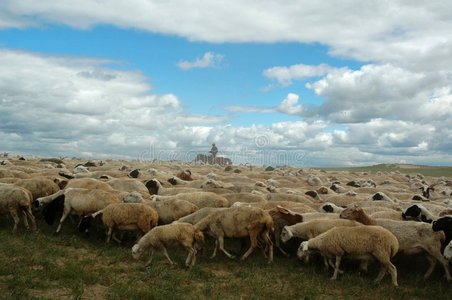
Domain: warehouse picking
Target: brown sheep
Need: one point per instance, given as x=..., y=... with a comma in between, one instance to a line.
x=16, y=200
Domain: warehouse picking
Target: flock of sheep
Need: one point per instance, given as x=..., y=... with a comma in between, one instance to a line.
x=337, y=214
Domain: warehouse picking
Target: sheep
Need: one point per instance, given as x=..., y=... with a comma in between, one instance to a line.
x=239, y=222
x=281, y=217
x=158, y=238
x=88, y=183
x=38, y=186
x=172, y=209
x=198, y=215
x=426, y=212
x=243, y=197
x=185, y=175
x=447, y=253
x=16, y=200
x=357, y=241
x=317, y=215
x=413, y=237
x=76, y=201
x=419, y=213
x=155, y=187
x=387, y=214
x=444, y=224
x=124, y=216
x=310, y=229
x=330, y=208
x=129, y=185
x=200, y=199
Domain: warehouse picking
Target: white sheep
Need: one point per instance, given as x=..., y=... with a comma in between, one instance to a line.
x=158, y=238
x=76, y=201
x=330, y=207
x=198, y=215
x=413, y=237
x=200, y=199
x=308, y=230
x=124, y=217
x=358, y=242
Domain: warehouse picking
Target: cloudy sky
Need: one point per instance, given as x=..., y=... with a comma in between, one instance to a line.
x=307, y=83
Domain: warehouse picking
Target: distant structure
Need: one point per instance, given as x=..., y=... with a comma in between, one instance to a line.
x=213, y=158
x=214, y=151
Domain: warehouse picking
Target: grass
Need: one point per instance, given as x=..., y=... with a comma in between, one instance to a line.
x=69, y=266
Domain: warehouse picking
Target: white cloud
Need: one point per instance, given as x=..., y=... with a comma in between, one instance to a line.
x=290, y=105
x=71, y=105
x=208, y=60
x=413, y=34
x=284, y=76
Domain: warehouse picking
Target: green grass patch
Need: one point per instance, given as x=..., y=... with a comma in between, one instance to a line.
x=70, y=266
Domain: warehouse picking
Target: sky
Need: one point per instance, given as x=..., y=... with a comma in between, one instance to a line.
x=303, y=83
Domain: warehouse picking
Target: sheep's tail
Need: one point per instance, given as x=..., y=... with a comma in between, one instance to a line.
x=97, y=213
x=50, y=198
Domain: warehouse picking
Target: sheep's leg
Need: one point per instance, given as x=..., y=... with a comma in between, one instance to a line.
x=329, y=263
x=63, y=217
x=431, y=266
x=269, y=245
x=110, y=231
x=167, y=256
x=221, y=247
x=116, y=239
x=253, y=239
x=336, y=267
x=30, y=216
x=437, y=256
x=393, y=272
x=193, y=260
x=363, y=265
x=215, y=249
x=24, y=218
x=151, y=255
x=16, y=219
x=189, y=262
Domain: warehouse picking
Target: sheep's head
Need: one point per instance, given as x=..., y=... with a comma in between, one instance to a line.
x=412, y=212
x=378, y=196
x=448, y=251
x=303, y=251
x=286, y=234
x=443, y=223
x=328, y=208
x=137, y=251
x=133, y=197
x=351, y=213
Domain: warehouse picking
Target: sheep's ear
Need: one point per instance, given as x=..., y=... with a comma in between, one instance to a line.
x=282, y=209
x=304, y=246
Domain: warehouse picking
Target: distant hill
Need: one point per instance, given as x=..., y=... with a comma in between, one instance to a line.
x=402, y=168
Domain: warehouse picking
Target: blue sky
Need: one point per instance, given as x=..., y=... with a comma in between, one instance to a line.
x=357, y=84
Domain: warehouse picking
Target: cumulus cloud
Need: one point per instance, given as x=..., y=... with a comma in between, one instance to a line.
x=208, y=60
x=288, y=106
x=75, y=105
x=410, y=33
x=284, y=76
